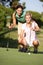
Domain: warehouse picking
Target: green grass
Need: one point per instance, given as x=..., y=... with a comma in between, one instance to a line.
x=13, y=57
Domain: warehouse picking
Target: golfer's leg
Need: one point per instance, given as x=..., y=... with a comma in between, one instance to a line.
x=36, y=44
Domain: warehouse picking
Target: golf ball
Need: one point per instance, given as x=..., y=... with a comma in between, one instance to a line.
x=29, y=53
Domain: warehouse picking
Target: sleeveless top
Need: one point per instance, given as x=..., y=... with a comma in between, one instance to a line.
x=20, y=19
x=28, y=30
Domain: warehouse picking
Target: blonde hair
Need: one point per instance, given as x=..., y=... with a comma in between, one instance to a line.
x=28, y=13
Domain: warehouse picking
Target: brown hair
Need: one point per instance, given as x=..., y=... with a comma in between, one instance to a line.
x=19, y=6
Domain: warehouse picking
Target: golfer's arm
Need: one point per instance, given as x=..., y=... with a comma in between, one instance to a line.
x=22, y=33
x=37, y=28
x=14, y=19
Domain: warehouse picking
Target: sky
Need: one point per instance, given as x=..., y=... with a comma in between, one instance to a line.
x=33, y=5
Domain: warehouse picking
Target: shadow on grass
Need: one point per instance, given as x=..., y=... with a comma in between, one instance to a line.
x=4, y=42
x=39, y=52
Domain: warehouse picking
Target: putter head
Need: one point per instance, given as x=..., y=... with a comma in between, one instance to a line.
x=7, y=49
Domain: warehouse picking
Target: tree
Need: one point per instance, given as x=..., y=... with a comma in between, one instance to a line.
x=14, y=3
x=4, y=12
x=37, y=17
x=42, y=16
x=24, y=5
x=41, y=0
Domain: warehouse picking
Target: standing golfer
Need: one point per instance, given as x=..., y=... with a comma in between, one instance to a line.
x=19, y=17
x=28, y=33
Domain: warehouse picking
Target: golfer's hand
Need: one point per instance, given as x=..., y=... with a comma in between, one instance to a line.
x=33, y=29
x=11, y=26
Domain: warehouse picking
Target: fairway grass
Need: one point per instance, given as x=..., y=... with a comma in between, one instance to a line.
x=13, y=57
